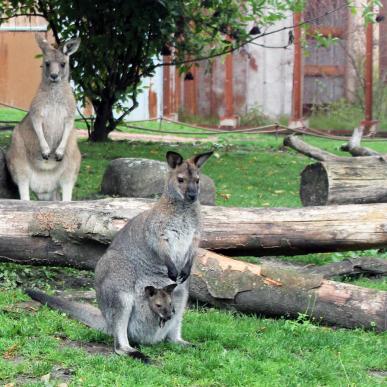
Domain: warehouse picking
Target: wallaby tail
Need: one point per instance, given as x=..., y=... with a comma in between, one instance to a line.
x=85, y=313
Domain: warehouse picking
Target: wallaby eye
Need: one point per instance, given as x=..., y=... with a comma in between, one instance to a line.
x=180, y=180
x=63, y=64
x=158, y=305
x=197, y=181
x=47, y=64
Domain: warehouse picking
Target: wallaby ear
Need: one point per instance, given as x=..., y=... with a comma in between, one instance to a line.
x=150, y=291
x=71, y=46
x=174, y=159
x=199, y=160
x=42, y=42
x=169, y=288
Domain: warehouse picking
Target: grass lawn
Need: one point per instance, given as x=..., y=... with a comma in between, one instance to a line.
x=230, y=349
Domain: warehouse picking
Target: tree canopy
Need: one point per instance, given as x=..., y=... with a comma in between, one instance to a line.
x=124, y=41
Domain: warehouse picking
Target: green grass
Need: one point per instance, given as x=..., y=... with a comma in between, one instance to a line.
x=231, y=349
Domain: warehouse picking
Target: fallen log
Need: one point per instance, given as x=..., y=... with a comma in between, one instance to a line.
x=354, y=148
x=302, y=147
x=56, y=232
x=345, y=181
x=273, y=291
x=349, y=267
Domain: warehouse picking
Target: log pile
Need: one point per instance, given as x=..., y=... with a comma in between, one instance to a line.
x=76, y=234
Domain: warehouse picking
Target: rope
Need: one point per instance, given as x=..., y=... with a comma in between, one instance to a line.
x=274, y=128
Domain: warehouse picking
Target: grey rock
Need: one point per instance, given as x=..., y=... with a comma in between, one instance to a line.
x=8, y=189
x=144, y=178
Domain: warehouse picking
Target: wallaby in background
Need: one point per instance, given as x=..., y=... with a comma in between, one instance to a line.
x=154, y=248
x=44, y=155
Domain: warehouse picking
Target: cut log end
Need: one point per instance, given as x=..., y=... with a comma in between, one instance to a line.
x=314, y=185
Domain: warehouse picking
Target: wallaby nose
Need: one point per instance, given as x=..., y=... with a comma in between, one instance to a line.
x=192, y=195
x=54, y=77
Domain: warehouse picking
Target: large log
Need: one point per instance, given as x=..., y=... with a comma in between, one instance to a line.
x=269, y=290
x=345, y=181
x=56, y=232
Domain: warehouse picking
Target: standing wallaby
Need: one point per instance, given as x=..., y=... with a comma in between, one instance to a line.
x=44, y=155
x=154, y=248
x=158, y=243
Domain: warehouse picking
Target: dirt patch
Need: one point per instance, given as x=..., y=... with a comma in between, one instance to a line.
x=21, y=307
x=89, y=347
x=58, y=376
x=165, y=138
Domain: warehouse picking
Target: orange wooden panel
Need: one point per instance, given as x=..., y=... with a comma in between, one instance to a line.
x=318, y=70
x=20, y=72
x=336, y=32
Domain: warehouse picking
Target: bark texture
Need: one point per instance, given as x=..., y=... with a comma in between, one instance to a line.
x=345, y=181
x=78, y=232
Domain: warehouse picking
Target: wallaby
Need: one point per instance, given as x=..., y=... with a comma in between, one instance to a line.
x=158, y=243
x=44, y=155
x=154, y=248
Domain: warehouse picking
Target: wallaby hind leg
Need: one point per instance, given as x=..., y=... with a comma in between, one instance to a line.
x=67, y=190
x=180, y=297
x=119, y=320
x=24, y=189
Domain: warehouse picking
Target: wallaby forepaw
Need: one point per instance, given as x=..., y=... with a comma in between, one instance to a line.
x=59, y=155
x=140, y=356
x=172, y=273
x=183, y=276
x=45, y=155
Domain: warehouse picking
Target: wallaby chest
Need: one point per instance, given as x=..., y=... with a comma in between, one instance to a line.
x=179, y=234
x=56, y=110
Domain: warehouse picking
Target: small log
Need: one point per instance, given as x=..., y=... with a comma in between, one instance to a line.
x=56, y=232
x=366, y=266
x=352, y=267
x=345, y=181
x=354, y=148
x=302, y=147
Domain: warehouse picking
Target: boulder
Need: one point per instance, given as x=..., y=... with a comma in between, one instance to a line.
x=143, y=178
x=8, y=189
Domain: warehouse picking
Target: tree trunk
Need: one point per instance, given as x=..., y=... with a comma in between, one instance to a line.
x=345, y=181
x=59, y=232
x=104, y=112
